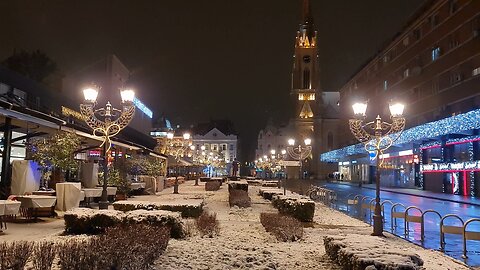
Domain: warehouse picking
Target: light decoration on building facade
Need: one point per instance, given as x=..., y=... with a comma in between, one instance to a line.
x=451, y=125
x=451, y=167
x=142, y=107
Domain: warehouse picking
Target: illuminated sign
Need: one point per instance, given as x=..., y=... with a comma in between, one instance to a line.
x=446, y=167
x=142, y=107
x=69, y=112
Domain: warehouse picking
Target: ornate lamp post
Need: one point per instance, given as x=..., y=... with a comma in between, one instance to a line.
x=114, y=120
x=377, y=136
x=178, y=148
x=299, y=152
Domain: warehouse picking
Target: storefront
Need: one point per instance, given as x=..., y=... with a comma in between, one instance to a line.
x=440, y=156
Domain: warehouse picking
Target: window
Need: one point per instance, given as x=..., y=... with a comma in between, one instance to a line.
x=385, y=85
x=434, y=20
x=231, y=147
x=306, y=79
x=417, y=34
x=386, y=58
x=453, y=6
x=224, y=147
x=455, y=77
x=453, y=41
x=3, y=88
x=406, y=73
x=476, y=71
x=215, y=147
x=330, y=140
x=435, y=53
x=406, y=41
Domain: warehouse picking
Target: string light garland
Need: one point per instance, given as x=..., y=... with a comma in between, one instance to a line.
x=451, y=125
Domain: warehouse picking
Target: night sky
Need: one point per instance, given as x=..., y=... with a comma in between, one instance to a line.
x=200, y=60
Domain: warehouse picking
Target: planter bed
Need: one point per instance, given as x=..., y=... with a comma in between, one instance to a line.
x=358, y=252
x=190, y=208
x=240, y=185
x=301, y=208
x=268, y=193
x=93, y=221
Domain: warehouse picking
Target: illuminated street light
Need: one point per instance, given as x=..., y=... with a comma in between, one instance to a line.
x=299, y=152
x=382, y=136
x=106, y=122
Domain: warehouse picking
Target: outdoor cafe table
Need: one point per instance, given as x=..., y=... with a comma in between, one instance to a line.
x=137, y=185
x=68, y=195
x=8, y=208
x=32, y=203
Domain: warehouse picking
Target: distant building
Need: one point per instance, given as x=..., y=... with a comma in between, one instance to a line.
x=433, y=66
x=218, y=137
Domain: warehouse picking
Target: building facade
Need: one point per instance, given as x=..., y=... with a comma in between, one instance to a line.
x=431, y=66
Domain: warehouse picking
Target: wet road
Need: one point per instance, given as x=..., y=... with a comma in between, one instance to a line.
x=454, y=243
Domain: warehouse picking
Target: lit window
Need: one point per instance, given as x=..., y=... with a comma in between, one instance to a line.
x=385, y=85
x=435, y=53
x=476, y=71
x=406, y=73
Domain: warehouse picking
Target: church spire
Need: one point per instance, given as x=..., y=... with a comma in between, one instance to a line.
x=306, y=35
x=307, y=13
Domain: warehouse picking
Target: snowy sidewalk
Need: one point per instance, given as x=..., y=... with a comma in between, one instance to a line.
x=244, y=244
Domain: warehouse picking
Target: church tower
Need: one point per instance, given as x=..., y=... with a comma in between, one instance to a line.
x=305, y=75
x=306, y=93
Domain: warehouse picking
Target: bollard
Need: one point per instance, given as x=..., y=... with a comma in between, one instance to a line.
x=175, y=186
x=284, y=187
x=196, y=181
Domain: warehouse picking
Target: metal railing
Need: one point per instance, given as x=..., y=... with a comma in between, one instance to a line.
x=414, y=214
x=326, y=196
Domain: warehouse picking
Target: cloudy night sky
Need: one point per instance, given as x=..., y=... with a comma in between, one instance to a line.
x=199, y=60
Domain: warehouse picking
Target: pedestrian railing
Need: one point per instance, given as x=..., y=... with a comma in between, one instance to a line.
x=414, y=214
x=326, y=196
x=394, y=215
x=449, y=229
x=422, y=225
x=383, y=208
x=412, y=218
x=469, y=235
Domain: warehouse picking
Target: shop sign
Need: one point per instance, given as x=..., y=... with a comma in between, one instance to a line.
x=469, y=165
x=69, y=112
x=289, y=163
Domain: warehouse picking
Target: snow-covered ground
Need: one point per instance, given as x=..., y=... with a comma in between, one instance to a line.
x=244, y=244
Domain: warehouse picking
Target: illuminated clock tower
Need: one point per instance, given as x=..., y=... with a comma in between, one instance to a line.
x=305, y=80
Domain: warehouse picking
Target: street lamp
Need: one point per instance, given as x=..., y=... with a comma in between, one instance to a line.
x=299, y=152
x=109, y=123
x=377, y=136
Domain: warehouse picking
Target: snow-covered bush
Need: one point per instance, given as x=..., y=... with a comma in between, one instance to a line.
x=268, y=193
x=300, y=208
x=79, y=254
x=43, y=255
x=239, y=198
x=359, y=252
x=122, y=247
x=190, y=208
x=92, y=221
x=212, y=185
x=15, y=255
x=241, y=185
x=284, y=228
x=208, y=224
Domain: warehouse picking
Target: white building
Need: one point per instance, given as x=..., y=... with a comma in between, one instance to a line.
x=217, y=142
